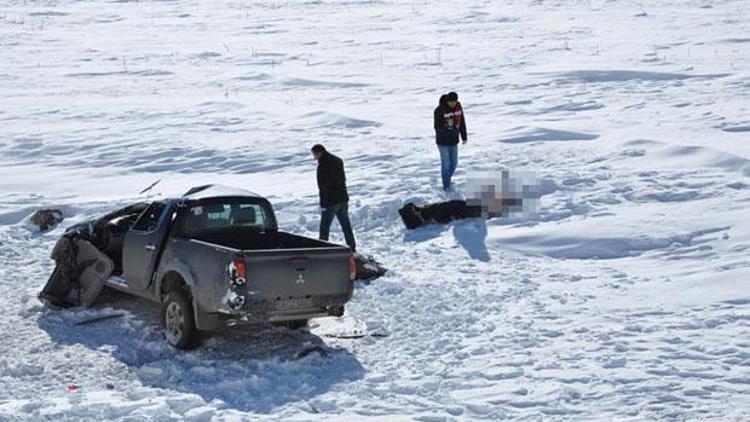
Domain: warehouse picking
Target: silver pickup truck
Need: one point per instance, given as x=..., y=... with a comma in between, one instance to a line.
x=216, y=256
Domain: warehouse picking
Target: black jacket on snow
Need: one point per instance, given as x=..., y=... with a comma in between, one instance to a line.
x=449, y=124
x=331, y=180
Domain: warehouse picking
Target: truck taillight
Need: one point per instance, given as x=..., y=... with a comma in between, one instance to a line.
x=352, y=268
x=237, y=273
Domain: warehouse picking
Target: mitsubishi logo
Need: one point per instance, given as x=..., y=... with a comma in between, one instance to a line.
x=300, y=279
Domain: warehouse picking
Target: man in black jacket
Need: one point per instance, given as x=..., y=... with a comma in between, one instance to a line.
x=334, y=198
x=450, y=124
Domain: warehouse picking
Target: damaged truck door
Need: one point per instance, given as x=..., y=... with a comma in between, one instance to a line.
x=142, y=245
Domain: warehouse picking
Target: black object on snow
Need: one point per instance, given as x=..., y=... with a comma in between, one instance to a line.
x=99, y=318
x=367, y=267
x=358, y=335
x=415, y=216
x=46, y=218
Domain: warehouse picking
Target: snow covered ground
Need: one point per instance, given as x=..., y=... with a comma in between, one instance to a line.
x=627, y=297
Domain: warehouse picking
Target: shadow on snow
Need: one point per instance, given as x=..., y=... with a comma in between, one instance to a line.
x=471, y=234
x=250, y=368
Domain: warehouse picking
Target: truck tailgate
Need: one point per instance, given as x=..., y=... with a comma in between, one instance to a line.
x=288, y=274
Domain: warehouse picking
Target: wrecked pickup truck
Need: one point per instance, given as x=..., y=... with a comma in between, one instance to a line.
x=215, y=256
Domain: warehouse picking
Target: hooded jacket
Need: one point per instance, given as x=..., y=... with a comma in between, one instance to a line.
x=331, y=180
x=449, y=123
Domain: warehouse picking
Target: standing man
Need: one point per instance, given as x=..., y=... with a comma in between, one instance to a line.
x=334, y=198
x=450, y=122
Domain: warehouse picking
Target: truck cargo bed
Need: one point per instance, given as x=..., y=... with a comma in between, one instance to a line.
x=250, y=240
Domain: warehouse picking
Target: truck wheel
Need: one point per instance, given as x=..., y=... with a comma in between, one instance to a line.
x=178, y=320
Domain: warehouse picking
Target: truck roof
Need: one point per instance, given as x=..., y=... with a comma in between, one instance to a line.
x=217, y=191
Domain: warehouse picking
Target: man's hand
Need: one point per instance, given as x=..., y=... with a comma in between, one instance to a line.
x=464, y=141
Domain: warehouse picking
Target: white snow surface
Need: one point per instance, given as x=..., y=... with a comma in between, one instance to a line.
x=627, y=297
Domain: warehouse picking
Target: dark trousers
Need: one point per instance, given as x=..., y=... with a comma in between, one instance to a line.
x=340, y=211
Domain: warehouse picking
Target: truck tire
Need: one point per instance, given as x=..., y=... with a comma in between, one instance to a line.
x=178, y=320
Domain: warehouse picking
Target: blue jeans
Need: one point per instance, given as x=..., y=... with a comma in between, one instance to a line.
x=340, y=211
x=448, y=162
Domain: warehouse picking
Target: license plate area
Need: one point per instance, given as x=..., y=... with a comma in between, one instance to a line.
x=294, y=304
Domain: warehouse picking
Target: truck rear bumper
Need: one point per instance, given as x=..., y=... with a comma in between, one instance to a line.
x=255, y=313
x=296, y=317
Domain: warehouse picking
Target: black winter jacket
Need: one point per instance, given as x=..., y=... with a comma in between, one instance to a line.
x=331, y=180
x=449, y=124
